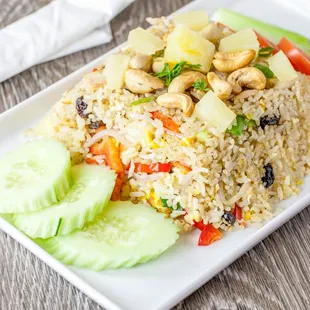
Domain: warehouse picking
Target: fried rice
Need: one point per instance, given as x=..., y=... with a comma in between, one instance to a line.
x=225, y=170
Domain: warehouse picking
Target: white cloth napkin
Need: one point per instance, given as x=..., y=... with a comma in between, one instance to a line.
x=60, y=28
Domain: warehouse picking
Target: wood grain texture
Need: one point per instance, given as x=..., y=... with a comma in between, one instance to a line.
x=274, y=275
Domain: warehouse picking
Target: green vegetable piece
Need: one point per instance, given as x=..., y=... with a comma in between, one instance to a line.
x=168, y=75
x=267, y=72
x=165, y=205
x=90, y=193
x=201, y=85
x=251, y=123
x=159, y=53
x=238, y=128
x=123, y=235
x=193, y=67
x=238, y=22
x=34, y=176
x=202, y=136
x=265, y=52
x=142, y=100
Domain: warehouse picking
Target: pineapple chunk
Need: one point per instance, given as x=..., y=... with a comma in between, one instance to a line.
x=240, y=41
x=115, y=70
x=145, y=42
x=195, y=20
x=280, y=65
x=214, y=111
x=187, y=45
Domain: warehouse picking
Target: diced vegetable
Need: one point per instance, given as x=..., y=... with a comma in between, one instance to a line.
x=209, y=235
x=281, y=67
x=202, y=136
x=214, y=111
x=267, y=72
x=299, y=60
x=91, y=161
x=184, y=44
x=238, y=22
x=200, y=225
x=144, y=42
x=237, y=212
x=166, y=205
x=152, y=168
x=237, y=129
x=195, y=20
x=184, y=169
x=116, y=194
x=167, y=121
x=240, y=41
x=115, y=70
x=265, y=52
x=142, y=100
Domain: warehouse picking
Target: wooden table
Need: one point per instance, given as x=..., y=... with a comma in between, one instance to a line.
x=273, y=275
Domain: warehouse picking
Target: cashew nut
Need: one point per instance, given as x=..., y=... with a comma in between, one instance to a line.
x=197, y=93
x=158, y=64
x=141, y=62
x=140, y=82
x=211, y=33
x=246, y=77
x=231, y=61
x=220, y=87
x=177, y=100
x=185, y=81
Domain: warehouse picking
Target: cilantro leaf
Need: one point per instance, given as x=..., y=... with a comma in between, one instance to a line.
x=251, y=123
x=193, y=67
x=201, y=85
x=142, y=100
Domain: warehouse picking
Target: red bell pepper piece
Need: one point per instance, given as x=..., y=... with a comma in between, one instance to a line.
x=167, y=121
x=237, y=212
x=209, y=235
x=152, y=168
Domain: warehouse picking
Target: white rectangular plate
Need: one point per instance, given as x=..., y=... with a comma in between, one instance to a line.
x=162, y=283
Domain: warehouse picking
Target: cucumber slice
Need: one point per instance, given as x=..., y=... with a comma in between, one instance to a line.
x=34, y=176
x=123, y=235
x=90, y=193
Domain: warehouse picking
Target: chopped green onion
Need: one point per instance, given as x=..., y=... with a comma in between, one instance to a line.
x=159, y=53
x=241, y=122
x=238, y=22
x=265, y=52
x=142, y=100
x=165, y=205
x=193, y=67
x=201, y=85
x=202, y=136
x=267, y=72
x=251, y=123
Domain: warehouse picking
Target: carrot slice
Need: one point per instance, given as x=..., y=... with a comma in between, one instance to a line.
x=91, y=161
x=116, y=194
x=167, y=121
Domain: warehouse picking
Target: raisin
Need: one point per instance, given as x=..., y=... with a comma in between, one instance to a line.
x=268, y=178
x=269, y=120
x=95, y=125
x=81, y=106
x=229, y=218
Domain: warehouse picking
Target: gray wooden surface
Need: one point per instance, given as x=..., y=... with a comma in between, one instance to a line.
x=274, y=275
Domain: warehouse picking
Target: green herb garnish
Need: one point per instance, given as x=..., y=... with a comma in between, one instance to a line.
x=165, y=205
x=267, y=72
x=142, y=100
x=265, y=51
x=159, y=53
x=193, y=67
x=242, y=121
x=201, y=85
x=168, y=75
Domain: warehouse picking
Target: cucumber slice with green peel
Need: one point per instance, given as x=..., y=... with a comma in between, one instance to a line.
x=90, y=193
x=123, y=235
x=34, y=176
